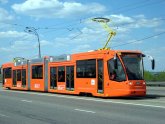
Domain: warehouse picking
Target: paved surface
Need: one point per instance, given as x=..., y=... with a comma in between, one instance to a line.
x=19, y=107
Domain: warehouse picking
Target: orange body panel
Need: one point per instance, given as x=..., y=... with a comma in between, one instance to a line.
x=8, y=83
x=37, y=84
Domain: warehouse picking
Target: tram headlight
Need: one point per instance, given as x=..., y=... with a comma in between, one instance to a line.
x=130, y=83
x=144, y=83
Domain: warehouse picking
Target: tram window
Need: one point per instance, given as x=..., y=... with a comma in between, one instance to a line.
x=61, y=74
x=86, y=68
x=116, y=74
x=37, y=72
x=7, y=72
x=18, y=75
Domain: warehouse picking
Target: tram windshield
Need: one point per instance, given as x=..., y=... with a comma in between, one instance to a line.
x=134, y=66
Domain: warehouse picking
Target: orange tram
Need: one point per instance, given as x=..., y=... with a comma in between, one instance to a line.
x=103, y=73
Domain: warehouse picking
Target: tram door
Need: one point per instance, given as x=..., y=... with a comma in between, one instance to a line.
x=100, y=76
x=19, y=78
x=70, y=77
x=53, y=77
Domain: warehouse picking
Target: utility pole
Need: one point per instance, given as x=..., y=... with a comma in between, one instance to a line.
x=34, y=31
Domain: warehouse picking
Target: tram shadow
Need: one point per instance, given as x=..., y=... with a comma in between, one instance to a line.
x=89, y=95
x=148, y=96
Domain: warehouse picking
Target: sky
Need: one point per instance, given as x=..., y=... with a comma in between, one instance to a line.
x=66, y=27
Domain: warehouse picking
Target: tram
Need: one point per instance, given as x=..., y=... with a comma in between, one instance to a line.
x=103, y=73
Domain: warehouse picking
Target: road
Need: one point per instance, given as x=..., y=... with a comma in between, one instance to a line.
x=19, y=107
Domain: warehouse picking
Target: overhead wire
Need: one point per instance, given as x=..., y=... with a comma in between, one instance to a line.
x=131, y=4
x=137, y=6
x=13, y=24
x=57, y=27
x=68, y=28
x=118, y=26
x=61, y=26
x=142, y=39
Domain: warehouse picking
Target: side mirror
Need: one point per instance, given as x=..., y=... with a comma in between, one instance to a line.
x=153, y=64
x=152, y=60
x=115, y=62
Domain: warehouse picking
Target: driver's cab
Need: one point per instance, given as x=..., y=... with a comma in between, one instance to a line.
x=126, y=72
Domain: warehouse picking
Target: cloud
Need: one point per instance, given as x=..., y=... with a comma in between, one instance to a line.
x=17, y=42
x=93, y=35
x=121, y=19
x=28, y=44
x=21, y=45
x=87, y=36
x=124, y=24
x=160, y=30
x=81, y=36
x=158, y=55
x=81, y=48
x=20, y=41
x=137, y=21
x=15, y=35
x=3, y=1
x=17, y=46
x=45, y=43
x=156, y=51
x=5, y=16
x=4, y=49
x=56, y=8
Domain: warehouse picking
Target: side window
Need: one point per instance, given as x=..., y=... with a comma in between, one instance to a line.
x=7, y=72
x=61, y=74
x=37, y=72
x=80, y=69
x=111, y=69
x=18, y=75
x=116, y=74
x=86, y=68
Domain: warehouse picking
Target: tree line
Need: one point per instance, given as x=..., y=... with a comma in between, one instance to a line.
x=154, y=76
